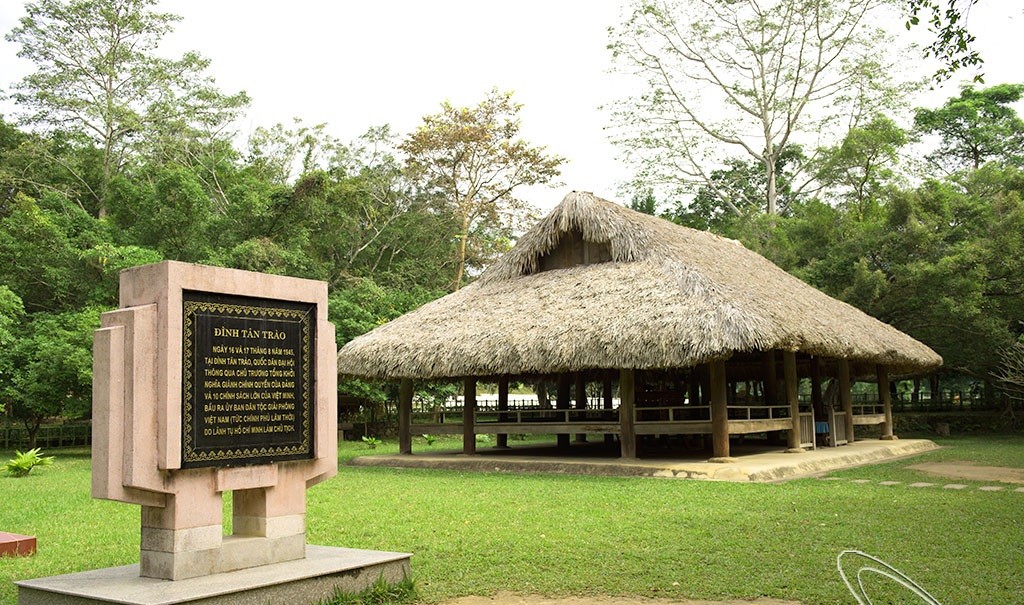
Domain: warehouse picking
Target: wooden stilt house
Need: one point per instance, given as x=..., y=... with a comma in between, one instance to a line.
x=682, y=332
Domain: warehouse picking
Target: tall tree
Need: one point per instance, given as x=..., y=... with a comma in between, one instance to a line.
x=97, y=72
x=855, y=170
x=977, y=126
x=750, y=76
x=473, y=158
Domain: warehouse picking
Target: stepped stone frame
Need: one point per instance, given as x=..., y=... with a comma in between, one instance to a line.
x=155, y=446
x=675, y=319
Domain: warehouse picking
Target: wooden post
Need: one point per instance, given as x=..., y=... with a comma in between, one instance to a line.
x=503, y=409
x=792, y=398
x=468, y=409
x=581, y=402
x=606, y=392
x=563, y=403
x=886, y=399
x=627, y=403
x=405, y=416
x=846, y=397
x=719, y=412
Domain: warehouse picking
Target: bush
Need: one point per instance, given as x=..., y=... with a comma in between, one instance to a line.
x=23, y=462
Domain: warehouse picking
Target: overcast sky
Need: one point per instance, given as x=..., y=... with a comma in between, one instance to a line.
x=359, y=64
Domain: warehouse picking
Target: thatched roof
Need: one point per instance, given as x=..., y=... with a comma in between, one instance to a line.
x=665, y=297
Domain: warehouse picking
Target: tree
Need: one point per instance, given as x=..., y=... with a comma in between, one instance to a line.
x=976, y=127
x=752, y=76
x=856, y=169
x=472, y=158
x=52, y=361
x=11, y=313
x=1010, y=374
x=97, y=72
x=731, y=195
x=952, y=45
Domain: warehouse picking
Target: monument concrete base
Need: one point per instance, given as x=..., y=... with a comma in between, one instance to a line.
x=324, y=570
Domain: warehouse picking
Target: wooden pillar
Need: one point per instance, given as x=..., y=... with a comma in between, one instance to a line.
x=792, y=398
x=608, y=395
x=503, y=409
x=886, y=400
x=627, y=405
x=563, y=402
x=846, y=397
x=468, y=409
x=405, y=416
x=581, y=401
x=719, y=412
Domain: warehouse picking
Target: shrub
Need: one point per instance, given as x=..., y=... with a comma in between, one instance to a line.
x=371, y=442
x=23, y=462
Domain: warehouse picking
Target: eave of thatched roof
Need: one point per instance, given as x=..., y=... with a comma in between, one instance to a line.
x=670, y=297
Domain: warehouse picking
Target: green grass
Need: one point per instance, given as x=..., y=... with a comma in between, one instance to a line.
x=571, y=535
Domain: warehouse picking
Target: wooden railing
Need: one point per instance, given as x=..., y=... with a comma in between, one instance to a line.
x=807, y=430
x=838, y=429
x=758, y=412
x=674, y=413
x=545, y=415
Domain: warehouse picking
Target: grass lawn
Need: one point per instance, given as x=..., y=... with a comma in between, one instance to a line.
x=561, y=535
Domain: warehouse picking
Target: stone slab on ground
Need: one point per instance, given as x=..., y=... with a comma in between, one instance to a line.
x=974, y=472
x=307, y=580
x=756, y=465
x=16, y=545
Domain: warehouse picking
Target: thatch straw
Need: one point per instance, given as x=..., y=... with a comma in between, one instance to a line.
x=671, y=297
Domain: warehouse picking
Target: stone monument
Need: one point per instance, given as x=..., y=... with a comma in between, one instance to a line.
x=209, y=380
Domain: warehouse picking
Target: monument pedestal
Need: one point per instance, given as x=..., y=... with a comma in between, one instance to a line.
x=323, y=571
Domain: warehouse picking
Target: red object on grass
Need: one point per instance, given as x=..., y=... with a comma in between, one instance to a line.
x=15, y=545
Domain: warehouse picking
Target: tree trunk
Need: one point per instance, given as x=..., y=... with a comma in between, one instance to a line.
x=460, y=269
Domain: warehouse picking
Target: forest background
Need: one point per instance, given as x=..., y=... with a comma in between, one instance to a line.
x=117, y=155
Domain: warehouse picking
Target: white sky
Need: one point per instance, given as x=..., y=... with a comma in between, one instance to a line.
x=357, y=64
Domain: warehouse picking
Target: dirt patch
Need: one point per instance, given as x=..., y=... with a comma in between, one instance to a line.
x=971, y=471
x=505, y=598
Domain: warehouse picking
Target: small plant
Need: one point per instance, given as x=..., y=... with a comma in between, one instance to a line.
x=371, y=442
x=484, y=438
x=430, y=439
x=381, y=593
x=23, y=462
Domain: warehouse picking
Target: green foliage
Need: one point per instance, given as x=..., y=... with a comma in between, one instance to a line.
x=51, y=367
x=371, y=442
x=23, y=462
x=953, y=45
x=430, y=439
x=976, y=127
x=381, y=592
x=97, y=72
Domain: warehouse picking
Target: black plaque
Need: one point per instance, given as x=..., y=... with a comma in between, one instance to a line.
x=248, y=380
